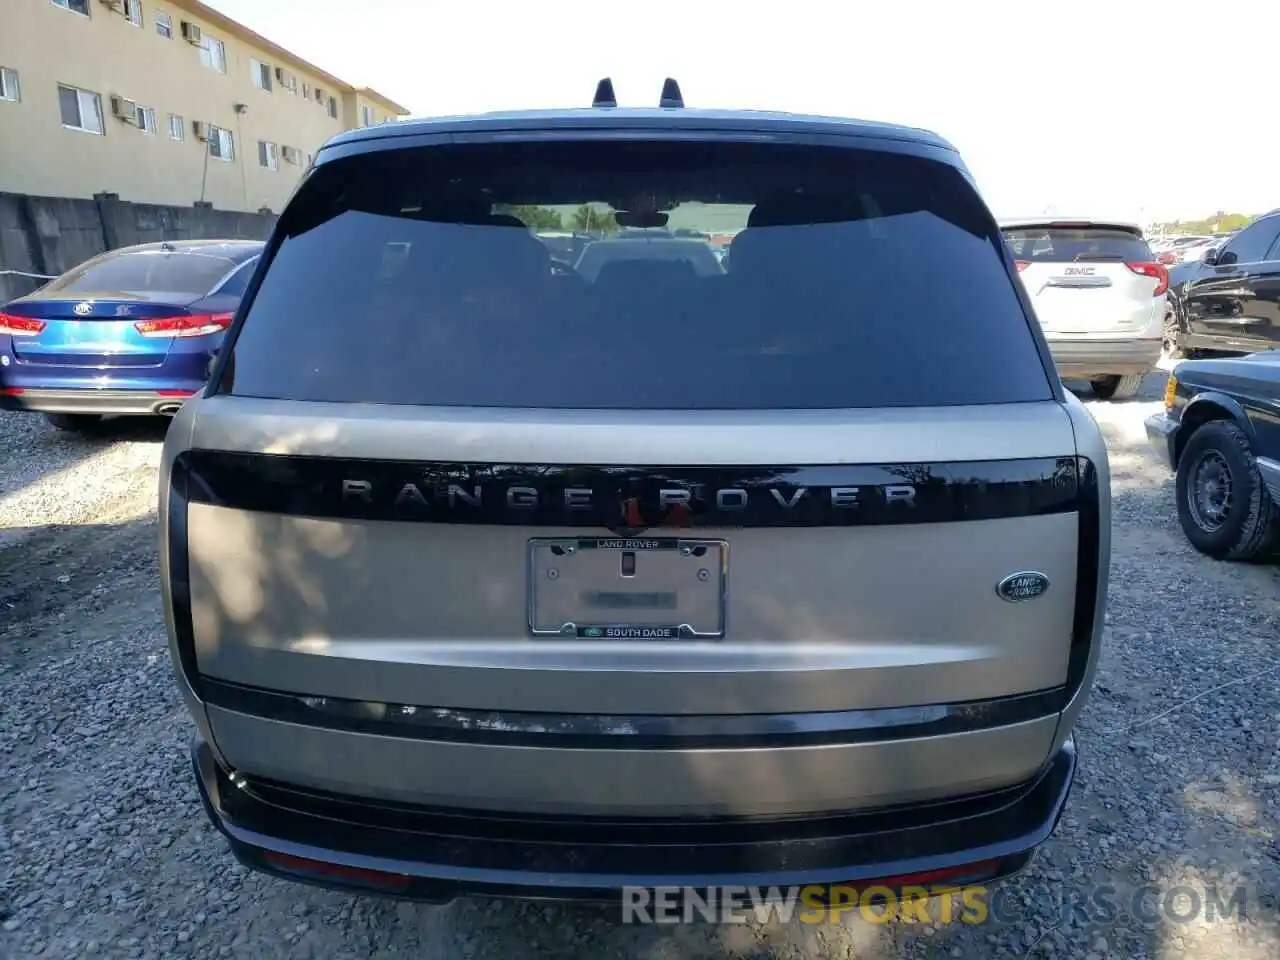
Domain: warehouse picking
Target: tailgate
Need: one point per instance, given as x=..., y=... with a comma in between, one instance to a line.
x=780, y=574
x=1079, y=298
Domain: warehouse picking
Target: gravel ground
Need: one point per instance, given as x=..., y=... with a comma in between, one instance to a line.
x=104, y=849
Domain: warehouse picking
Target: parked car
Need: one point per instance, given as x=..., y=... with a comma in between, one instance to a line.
x=630, y=248
x=1220, y=433
x=565, y=245
x=1183, y=249
x=480, y=579
x=1099, y=294
x=131, y=331
x=1229, y=302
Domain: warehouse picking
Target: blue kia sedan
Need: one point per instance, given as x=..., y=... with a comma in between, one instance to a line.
x=131, y=331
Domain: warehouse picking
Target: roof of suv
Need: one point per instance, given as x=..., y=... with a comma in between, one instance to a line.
x=615, y=118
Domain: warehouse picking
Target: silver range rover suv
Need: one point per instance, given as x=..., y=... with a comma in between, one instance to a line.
x=784, y=566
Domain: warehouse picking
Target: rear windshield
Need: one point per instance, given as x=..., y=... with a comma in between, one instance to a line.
x=851, y=279
x=193, y=274
x=1073, y=244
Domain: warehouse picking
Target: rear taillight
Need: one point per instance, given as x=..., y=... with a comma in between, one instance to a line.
x=1157, y=271
x=199, y=325
x=20, y=326
x=1021, y=264
x=1168, y=256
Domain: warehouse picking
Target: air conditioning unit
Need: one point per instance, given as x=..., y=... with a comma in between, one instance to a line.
x=126, y=110
x=116, y=5
x=201, y=129
x=191, y=32
x=291, y=155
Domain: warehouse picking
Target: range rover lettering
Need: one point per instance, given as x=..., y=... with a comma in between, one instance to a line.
x=813, y=594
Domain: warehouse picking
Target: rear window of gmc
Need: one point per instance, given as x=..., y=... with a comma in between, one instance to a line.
x=1076, y=245
x=851, y=279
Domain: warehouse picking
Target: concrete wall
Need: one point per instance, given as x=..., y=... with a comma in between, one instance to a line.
x=103, y=53
x=50, y=235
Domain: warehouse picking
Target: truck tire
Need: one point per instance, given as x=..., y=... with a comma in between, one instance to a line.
x=1170, y=339
x=1117, y=388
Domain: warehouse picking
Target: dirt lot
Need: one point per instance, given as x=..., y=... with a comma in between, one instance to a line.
x=104, y=849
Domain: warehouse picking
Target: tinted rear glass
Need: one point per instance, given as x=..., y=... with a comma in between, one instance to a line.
x=234, y=285
x=853, y=279
x=183, y=273
x=1072, y=244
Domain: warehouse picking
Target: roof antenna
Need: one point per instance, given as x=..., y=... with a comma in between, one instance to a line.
x=671, y=94
x=604, y=94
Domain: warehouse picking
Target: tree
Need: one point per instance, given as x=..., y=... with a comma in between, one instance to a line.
x=537, y=218
x=588, y=219
x=1220, y=222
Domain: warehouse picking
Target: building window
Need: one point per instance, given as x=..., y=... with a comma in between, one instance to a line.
x=177, y=127
x=81, y=110
x=261, y=75
x=222, y=145
x=9, y=85
x=366, y=116
x=133, y=12
x=146, y=119
x=213, y=54
x=164, y=25
x=306, y=91
x=333, y=107
x=268, y=155
x=75, y=6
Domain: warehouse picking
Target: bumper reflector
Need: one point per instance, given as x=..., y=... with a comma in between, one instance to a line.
x=335, y=873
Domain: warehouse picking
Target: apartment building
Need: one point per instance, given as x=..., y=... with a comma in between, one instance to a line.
x=162, y=101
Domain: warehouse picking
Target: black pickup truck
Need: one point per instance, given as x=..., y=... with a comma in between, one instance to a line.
x=1228, y=302
x=1220, y=433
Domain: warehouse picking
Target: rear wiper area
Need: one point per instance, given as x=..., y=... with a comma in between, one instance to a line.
x=1099, y=258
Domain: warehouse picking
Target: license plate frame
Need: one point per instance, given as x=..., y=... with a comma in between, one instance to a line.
x=707, y=585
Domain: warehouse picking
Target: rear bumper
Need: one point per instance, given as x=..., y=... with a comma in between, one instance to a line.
x=435, y=855
x=1099, y=358
x=1162, y=433
x=115, y=402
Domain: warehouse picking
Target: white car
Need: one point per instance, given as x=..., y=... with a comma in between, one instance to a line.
x=1099, y=294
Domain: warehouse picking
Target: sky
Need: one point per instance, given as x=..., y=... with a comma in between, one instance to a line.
x=1127, y=108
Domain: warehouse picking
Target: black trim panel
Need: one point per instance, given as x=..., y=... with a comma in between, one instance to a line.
x=180, y=578
x=632, y=499
x=449, y=853
x=643, y=732
x=1088, y=543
